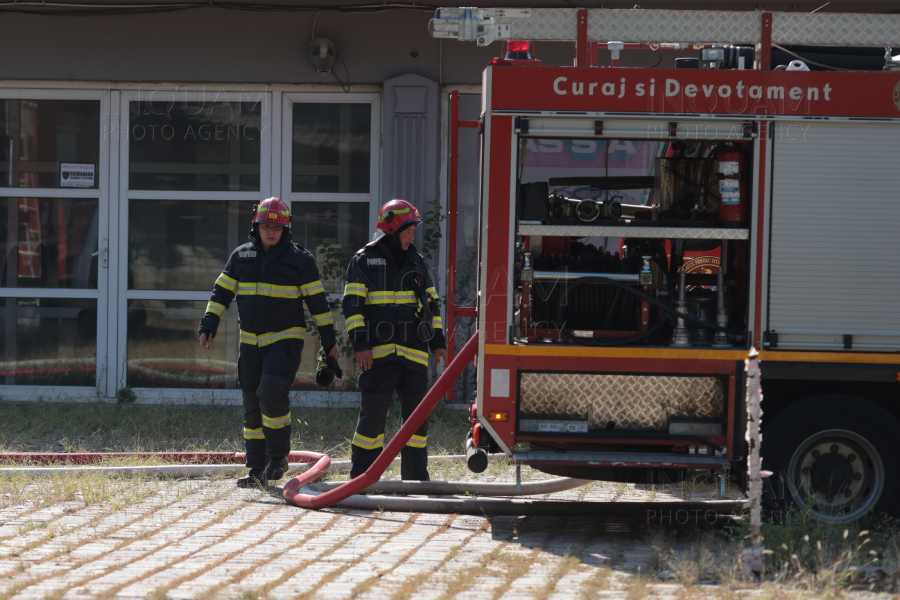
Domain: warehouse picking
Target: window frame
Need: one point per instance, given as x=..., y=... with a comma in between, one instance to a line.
x=102, y=194
x=371, y=98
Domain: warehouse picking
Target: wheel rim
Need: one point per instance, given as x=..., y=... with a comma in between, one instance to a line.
x=837, y=475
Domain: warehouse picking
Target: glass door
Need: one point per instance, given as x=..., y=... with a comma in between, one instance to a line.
x=54, y=261
x=331, y=175
x=192, y=168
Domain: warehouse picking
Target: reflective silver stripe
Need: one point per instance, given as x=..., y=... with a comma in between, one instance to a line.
x=264, y=339
x=405, y=298
x=215, y=308
x=355, y=321
x=310, y=289
x=355, y=289
x=277, y=422
x=254, y=434
x=417, y=441
x=368, y=443
x=382, y=351
x=323, y=319
x=413, y=355
x=380, y=298
x=266, y=289
x=227, y=282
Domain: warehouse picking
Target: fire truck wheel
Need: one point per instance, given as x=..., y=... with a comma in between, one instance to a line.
x=831, y=455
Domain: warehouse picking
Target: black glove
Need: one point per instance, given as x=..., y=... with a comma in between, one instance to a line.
x=327, y=368
x=210, y=334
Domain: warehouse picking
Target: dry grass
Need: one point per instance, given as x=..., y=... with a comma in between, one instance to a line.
x=104, y=427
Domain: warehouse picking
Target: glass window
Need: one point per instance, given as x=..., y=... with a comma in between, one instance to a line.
x=331, y=148
x=48, y=341
x=183, y=245
x=195, y=146
x=592, y=159
x=163, y=351
x=49, y=143
x=48, y=243
x=332, y=232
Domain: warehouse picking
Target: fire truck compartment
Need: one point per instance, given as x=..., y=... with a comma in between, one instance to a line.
x=636, y=402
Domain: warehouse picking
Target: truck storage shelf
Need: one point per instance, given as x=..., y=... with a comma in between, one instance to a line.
x=635, y=231
x=613, y=459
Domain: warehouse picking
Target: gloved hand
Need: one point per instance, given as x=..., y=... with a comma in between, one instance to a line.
x=327, y=368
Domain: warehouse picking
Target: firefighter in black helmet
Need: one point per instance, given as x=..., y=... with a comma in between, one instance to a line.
x=271, y=278
x=390, y=306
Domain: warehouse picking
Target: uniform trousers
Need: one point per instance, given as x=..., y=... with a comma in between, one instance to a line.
x=378, y=385
x=265, y=378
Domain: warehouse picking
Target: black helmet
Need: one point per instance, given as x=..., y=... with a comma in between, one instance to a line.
x=327, y=368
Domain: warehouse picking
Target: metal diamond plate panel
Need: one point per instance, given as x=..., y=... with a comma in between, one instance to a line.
x=678, y=233
x=673, y=26
x=544, y=24
x=630, y=402
x=836, y=29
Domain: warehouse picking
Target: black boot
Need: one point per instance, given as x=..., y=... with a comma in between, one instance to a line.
x=255, y=478
x=276, y=469
x=361, y=459
x=414, y=464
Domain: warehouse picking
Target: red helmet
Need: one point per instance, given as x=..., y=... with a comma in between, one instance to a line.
x=273, y=211
x=395, y=215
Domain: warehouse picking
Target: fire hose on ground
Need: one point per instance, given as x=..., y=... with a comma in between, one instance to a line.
x=358, y=493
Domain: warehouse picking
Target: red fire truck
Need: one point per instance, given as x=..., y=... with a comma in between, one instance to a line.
x=691, y=214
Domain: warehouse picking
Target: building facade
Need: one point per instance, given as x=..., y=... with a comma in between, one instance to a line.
x=136, y=138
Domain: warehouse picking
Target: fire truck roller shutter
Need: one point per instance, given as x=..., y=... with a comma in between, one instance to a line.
x=835, y=192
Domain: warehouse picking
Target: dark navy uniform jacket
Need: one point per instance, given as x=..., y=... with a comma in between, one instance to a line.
x=383, y=307
x=270, y=288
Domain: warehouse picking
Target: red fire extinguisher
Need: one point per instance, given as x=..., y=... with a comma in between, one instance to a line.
x=733, y=184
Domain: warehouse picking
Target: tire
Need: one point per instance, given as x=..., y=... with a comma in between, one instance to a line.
x=833, y=455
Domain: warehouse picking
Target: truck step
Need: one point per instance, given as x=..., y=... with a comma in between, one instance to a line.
x=622, y=459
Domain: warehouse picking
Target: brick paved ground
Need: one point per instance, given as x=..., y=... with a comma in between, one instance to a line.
x=207, y=539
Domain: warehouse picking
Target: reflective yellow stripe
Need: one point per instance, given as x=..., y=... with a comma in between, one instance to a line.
x=368, y=443
x=355, y=321
x=215, y=308
x=355, y=289
x=266, y=289
x=264, y=339
x=432, y=292
x=276, y=422
x=417, y=441
x=323, y=319
x=390, y=297
x=382, y=351
x=380, y=298
x=411, y=354
x=436, y=322
x=405, y=298
x=227, y=282
x=253, y=434
x=310, y=289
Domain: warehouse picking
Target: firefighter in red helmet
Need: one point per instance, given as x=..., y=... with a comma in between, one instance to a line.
x=391, y=309
x=271, y=277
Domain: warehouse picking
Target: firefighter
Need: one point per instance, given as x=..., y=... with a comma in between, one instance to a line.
x=271, y=277
x=391, y=310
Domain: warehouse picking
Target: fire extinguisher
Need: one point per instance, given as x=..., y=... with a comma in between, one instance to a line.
x=733, y=184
